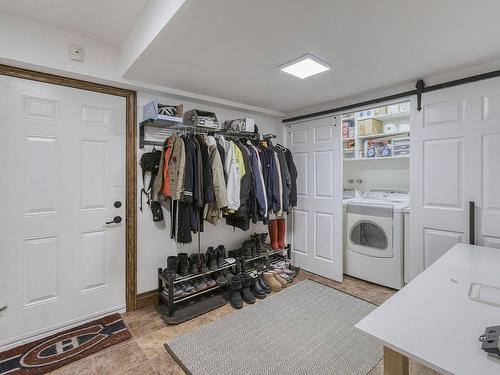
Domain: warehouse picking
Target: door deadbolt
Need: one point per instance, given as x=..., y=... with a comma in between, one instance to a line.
x=118, y=204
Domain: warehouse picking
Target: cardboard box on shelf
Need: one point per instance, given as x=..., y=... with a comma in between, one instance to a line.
x=370, y=126
x=380, y=111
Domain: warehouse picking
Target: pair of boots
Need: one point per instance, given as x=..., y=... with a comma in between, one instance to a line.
x=197, y=263
x=215, y=257
x=275, y=281
x=172, y=267
x=247, y=250
x=277, y=231
x=239, y=291
x=177, y=265
x=259, y=239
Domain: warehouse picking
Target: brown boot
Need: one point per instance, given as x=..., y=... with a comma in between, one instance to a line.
x=273, y=233
x=281, y=232
x=278, y=278
x=274, y=284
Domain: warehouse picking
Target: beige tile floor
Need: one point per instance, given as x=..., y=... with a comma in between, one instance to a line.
x=145, y=354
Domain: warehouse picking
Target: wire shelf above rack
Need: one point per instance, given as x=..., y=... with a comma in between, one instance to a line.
x=169, y=125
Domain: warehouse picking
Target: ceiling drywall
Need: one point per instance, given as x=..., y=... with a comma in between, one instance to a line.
x=107, y=21
x=231, y=49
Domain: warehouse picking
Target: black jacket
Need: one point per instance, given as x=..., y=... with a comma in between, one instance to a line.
x=293, y=177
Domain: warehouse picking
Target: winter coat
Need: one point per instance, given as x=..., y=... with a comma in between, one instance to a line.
x=293, y=177
x=176, y=168
x=260, y=189
x=208, y=191
x=279, y=212
x=158, y=181
x=270, y=174
x=233, y=175
x=166, y=188
x=212, y=212
x=241, y=218
x=188, y=194
x=285, y=178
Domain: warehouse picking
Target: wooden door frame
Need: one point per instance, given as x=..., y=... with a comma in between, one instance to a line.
x=130, y=164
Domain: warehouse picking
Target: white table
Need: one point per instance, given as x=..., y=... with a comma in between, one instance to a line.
x=433, y=321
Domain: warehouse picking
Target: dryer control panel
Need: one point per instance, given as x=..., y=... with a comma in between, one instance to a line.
x=387, y=195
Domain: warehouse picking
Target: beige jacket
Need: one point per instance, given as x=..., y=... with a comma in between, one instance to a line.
x=176, y=167
x=158, y=182
x=212, y=210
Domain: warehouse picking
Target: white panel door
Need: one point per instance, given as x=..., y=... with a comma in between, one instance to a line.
x=455, y=159
x=63, y=168
x=317, y=219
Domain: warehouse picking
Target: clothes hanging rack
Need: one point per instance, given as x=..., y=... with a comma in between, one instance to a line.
x=173, y=125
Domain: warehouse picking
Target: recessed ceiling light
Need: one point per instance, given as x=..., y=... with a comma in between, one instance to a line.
x=305, y=66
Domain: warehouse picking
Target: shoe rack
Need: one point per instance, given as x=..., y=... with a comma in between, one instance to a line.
x=178, y=310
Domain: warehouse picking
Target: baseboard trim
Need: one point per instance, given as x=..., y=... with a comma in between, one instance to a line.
x=146, y=299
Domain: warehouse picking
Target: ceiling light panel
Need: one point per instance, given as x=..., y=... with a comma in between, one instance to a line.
x=305, y=66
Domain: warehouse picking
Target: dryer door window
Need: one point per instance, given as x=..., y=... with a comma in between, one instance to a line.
x=369, y=234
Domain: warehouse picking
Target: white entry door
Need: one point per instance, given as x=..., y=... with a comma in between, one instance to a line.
x=455, y=159
x=63, y=168
x=317, y=219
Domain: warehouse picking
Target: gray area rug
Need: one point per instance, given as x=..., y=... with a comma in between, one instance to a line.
x=307, y=328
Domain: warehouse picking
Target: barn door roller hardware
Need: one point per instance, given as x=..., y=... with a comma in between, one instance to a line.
x=420, y=89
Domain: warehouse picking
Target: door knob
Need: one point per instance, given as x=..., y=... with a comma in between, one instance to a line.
x=116, y=220
x=3, y=308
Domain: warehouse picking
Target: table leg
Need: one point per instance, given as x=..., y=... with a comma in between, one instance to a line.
x=395, y=363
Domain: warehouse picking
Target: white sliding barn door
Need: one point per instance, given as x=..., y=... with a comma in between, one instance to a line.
x=455, y=159
x=63, y=168
x=317, y=219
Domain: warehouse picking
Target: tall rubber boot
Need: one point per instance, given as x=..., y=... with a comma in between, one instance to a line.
x=281, y=232
x=273, y=234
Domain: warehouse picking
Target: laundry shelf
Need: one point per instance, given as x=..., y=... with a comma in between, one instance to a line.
x=389, y=117
x=381, y=158
x=383, y=135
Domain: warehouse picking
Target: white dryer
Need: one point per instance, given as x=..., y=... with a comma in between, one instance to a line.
x=349, y=195
x=375, y=240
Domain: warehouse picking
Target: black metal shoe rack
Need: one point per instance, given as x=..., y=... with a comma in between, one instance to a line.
x=178, y=310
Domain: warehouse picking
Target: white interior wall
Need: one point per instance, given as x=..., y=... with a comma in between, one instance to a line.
x=377, y=174
x=153, y=239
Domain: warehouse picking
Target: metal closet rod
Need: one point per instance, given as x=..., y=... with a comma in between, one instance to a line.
x=419, y=90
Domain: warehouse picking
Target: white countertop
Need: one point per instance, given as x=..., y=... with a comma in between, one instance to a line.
x=432, y=319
